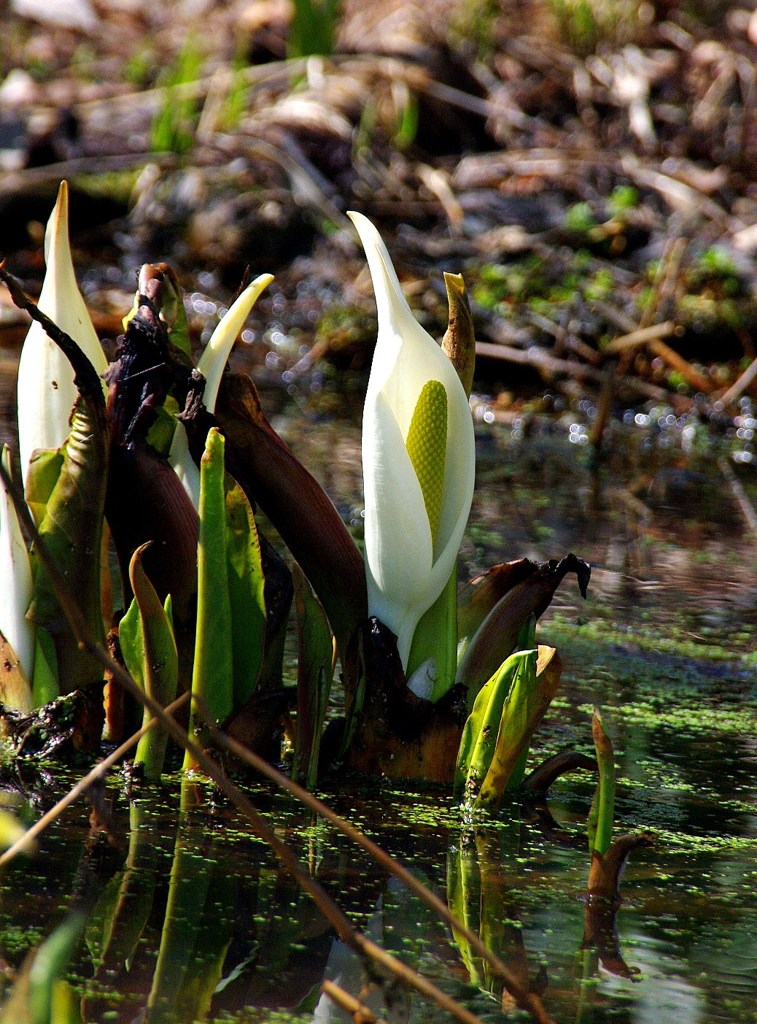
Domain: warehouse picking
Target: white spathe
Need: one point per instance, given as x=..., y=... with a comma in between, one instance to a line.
x=46, y=389
x=211, y=365
x=406, y=568
x=16, y=577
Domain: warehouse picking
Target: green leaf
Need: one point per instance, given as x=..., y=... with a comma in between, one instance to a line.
x=599, y=825
x=434, y=646
x=213, y=673
x=47, y=967
x=45, y=681
x=315, y=668
x=71, y=530
x=531, y=694
x=42, y=476
x=160, y=664
x=479, y=737
x=246, y=585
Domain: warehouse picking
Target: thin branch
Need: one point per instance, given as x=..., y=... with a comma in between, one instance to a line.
x=360, y=1013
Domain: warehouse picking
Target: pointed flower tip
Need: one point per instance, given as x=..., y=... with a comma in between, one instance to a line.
x=56, y=232
x=213, y=360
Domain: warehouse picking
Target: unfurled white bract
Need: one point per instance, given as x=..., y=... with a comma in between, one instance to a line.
x=46, y=390
x=407, y=566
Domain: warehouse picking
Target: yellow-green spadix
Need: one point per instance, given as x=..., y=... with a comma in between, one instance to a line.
x=418, y=458
x=46, y=390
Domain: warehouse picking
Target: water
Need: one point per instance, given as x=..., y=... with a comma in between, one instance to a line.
x=665, y=644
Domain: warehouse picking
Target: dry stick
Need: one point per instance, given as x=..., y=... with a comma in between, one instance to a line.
x=641, y=336
x=368, y=950
x=93, y=776
x=740, y=385
x=360, y=1013
x=542, y=360
x=525, y=1000
x=684, y=367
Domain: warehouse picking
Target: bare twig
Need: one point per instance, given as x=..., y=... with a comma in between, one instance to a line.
x=361, y=1014
x=740, y=385
x=641, y=336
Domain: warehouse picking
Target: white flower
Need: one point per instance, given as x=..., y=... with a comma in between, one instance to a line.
x=418, y=458
x=211, y=366
x=46, y=390
x=16, y=587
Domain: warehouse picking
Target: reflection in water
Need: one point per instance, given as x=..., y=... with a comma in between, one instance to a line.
x=194, y=917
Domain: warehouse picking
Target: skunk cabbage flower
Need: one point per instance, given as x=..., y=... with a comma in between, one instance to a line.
x=211, y=365
x=16, y=587
x=418, y=458
x=46, y=390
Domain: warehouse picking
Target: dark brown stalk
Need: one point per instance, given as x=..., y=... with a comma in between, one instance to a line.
x=497, y=635
x=536, y=785
x=363, y=946
x=297, y=506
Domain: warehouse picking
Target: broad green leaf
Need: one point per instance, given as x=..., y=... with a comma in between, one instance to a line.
x=48, y=965
x=315, y=667
x=71, y=530
x=213, y=672
x=196, y=930
x=45, y=681
x=246, y=585
x=42, y=476
x=479, y=738
x=531, y=694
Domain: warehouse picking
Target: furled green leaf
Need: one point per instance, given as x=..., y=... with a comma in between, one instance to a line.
x=531, y=694
x=45, y=681
x=148, y=645
x=480, y=732
x=213, y=672
x=246, y=585
x=599, y=825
